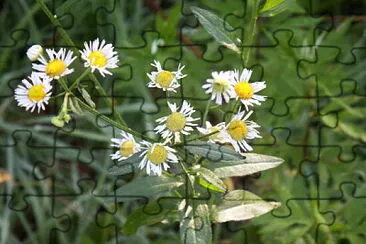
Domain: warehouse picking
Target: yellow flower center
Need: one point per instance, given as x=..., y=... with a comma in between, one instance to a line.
x=237, y=129
x=157, y=154
x=127, y=148
x=220, y=85
x=214, y=129
x=55, y=67
x=176, y=122
x=97, y=58
x=164, y=78
x=36, y=93
x=244, y=90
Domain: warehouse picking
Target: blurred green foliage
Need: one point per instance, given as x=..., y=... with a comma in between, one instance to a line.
x=314, y=117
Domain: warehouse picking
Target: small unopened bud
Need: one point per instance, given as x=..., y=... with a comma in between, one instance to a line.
x=67, y=118
x=56, y=121
x=34, y=52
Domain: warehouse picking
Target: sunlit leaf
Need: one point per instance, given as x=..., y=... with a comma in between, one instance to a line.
x=241, y=205
x=251, y=164
x=216, y=27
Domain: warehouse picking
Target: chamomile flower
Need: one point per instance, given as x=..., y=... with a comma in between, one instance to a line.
x=100, y=56
x=127, y=146
x=156, y=157
x=34, y=52
x=239, y=129
x=178, y=122
x=220, y=86
x=245, y=91
x=35, y=92
x=56, y=65
x=218, y=137
x=163, y=79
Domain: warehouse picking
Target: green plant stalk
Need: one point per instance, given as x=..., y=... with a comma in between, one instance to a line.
x=69, y=42
x=114, y=123
x=105, y=118
x=208, y=105
x=246, y=55
x=77, y=81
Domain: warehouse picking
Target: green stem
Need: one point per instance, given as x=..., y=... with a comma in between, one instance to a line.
x=196, y=138
x=77, y=81
x=187, y=173
x=206, y=111
x=69, y=42
x=114, y=123
x=253, y=30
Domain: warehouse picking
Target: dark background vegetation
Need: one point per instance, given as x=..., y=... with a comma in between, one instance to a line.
x=312, y=58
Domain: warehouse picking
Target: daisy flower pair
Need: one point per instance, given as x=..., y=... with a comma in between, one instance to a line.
x=155, y=156
x=236, y=132
x=226, y=85
x=36, y=89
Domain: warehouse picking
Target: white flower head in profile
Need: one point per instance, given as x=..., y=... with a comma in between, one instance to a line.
x=34, y=52
x=163, y=79
x=239, y=129
x=34, y=93
x=220, y=86
x=245, y=91
x=56, y=65
x=178, y=122
x=99, y=56
x=218, y=137
x=156, y=157
x=127, y=146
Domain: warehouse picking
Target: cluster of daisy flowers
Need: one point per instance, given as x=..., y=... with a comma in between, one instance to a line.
x=36, y=90
x=224, y=85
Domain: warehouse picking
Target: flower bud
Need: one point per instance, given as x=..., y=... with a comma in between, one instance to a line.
x=34, y=52
x=56, y=121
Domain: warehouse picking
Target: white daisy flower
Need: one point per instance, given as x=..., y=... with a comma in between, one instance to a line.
x=156, y=157
x=177, y=122
x=220, y=86
x=166, y=80
x=56, y=65
x=245, y=91
x=239, y=129
x=127, y=146
x=34, y=52
x=100, y=56
x=218, y=137
x=34, y=93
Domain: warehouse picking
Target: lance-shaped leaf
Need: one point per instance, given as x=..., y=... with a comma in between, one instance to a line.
x=152, y=213
x=213, y=152
x=251, y=164
x=195, y=224
x=126, y=166
x=147, y=187
x=241, y=205
x=210, y=180
x=87, y=97
x=216, y=27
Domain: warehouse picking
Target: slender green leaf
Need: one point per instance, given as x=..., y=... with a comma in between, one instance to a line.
x=251, y=164
x=195, y=224
x=74, y=106
x=241, y=205
x=87, y=97
x=270, y=4
x=216, y=27
x=152, y=213
x=213, y=152
x=210, y=180
x=147, y=187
